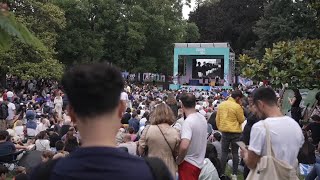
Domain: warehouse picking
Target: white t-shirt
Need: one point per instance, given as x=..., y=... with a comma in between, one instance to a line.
x=142, y=122
x=208, y=172
x=19, y=131
x=40, y=127
x=194, y=128
x=286, y=138
x=42, y=145
x=132, y=147
x=11, y=109
x=124, y=96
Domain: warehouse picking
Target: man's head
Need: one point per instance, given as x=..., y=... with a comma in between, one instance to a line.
x=60, y=145
x=93, y=90
x=3, y=135
x=188, y=101
x=134, y=114
x=237, y=95
x=264, y=99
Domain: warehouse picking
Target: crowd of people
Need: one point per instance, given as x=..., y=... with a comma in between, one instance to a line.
x=93, y=125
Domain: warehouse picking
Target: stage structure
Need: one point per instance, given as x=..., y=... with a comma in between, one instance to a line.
x=203, y=66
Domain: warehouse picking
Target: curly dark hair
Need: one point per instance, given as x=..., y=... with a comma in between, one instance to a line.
x=93, y=89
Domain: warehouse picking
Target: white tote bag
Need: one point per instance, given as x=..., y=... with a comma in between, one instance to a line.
x=271, y=168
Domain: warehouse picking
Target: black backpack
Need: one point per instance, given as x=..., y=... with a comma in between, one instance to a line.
x=3, y=111
x=158, y=168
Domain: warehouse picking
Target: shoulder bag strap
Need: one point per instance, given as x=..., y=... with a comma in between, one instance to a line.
x=268, y=139
x=167, y=142
x=158, y=168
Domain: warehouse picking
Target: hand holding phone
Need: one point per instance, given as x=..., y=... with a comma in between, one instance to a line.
x=241, y=145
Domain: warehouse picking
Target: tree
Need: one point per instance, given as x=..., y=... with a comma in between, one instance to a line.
x=228, y=21
x=137, y=35
x=29, y=61
x=284, y=20
x=10, y=29
x=295, y=62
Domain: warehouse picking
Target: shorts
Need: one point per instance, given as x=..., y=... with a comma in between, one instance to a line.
x=188, y=171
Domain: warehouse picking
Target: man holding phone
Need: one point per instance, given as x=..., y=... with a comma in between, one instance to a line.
x=286, y=134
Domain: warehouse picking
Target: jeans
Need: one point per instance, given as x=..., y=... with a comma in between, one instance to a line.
x=315, y=172
x=227, y=139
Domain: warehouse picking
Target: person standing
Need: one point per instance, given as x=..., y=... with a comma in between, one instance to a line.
x=193, y=144
x=58, y=104
x=229, y=118
x=3, y=114
x=285, y=134
x=295, y=105
x=245, y=137
x=11, y=113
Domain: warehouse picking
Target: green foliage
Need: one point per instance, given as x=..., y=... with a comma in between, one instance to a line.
x=137, y=36
x=31, y=60
x=296, y=63
x=285, y=20
x=10, y=28
x=228, y=21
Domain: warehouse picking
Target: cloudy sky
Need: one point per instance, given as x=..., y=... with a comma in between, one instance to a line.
x=186, y=9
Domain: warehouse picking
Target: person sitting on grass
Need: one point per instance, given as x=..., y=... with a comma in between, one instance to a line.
x=46, y=156
x=129, y=144
x=133, y=135
x=6, y=146
x=93, y=92
x=60, y=150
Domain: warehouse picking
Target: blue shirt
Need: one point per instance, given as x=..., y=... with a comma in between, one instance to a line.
x=101, y=163
x=7, y=147
x=135, y=124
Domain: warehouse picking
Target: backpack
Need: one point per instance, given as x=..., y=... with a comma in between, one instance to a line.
x=158, y=169
x=4, y=111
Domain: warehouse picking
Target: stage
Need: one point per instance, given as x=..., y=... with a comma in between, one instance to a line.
x=203, y=66
x=193, y=88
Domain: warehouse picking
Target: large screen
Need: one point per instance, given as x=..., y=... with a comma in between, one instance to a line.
x=207, y=68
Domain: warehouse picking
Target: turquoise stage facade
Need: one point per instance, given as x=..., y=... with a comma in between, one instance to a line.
x=205, y=50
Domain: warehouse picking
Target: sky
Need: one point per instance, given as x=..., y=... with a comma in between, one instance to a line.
x=186, y=10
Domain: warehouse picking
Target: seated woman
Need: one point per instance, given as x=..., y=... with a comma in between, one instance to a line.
x=6, y=146
x=19, y=130
x=315, y=172
x=42, y=142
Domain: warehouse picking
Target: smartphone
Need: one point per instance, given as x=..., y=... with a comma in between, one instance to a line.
x=241, y=145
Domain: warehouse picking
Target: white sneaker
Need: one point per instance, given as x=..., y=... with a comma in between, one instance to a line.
x=234, y=177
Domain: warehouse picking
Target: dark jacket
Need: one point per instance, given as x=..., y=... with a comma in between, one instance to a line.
x=251, y=120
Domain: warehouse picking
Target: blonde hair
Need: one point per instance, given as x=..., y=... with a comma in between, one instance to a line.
x=162, y=114
x=19, y=123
